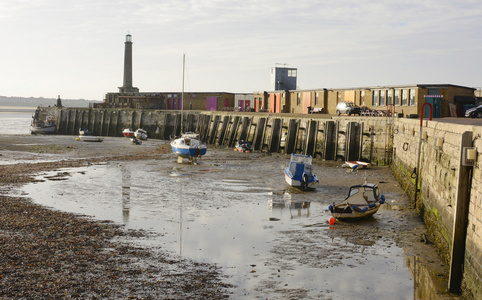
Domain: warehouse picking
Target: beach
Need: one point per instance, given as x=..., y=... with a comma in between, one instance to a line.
x=47, y=254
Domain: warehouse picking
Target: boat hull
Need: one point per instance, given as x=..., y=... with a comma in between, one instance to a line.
x=353, y=214
x=128, y=132
x=312, y=180
x=43, y=129
x=188, y=147
x=187, y=152
x=90, y=138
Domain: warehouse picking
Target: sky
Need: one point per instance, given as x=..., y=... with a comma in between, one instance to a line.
x=75, y=49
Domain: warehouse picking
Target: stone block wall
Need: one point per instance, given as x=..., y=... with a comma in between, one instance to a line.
x=439, y=161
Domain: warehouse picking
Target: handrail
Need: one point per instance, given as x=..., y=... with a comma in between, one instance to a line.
x=422, y=111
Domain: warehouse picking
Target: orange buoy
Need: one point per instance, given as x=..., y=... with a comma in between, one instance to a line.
x=332, y=221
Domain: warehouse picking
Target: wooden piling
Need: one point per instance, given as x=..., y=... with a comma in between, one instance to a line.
x=461, y=218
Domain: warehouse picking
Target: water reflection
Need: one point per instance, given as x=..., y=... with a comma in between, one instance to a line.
x=427, y=284
x=296, y=208
x=219, y=215
x=126, y=193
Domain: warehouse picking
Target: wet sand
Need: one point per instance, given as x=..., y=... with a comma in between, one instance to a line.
x=49, y=254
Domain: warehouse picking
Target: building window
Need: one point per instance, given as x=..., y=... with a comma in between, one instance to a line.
x=298, y=100
x=382, y=98
x=397, y=98
x=338, y=97
x=412, y=98
x=291, y=73
x=404, y=97
x=316, y=98
x=375, y=98
x=390, y=97
x=362, y=96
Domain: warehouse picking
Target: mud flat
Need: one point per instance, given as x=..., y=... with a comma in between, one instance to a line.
x=51, y=254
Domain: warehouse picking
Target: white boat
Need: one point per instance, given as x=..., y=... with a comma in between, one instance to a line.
x=84, y=131
x=141, y=134
x=46, y=129
x=188, y=145
x=363, y=200
x=298, y=173
x=357, y=164
x=43, y=127
x=128, y=132
x=90, y=138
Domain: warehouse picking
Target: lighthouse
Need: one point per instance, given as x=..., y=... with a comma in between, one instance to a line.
x=127, y=86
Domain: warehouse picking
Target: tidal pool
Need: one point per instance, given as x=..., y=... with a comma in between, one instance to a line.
x=236, y=211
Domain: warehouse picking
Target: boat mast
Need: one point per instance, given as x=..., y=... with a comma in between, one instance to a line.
x=182, y=92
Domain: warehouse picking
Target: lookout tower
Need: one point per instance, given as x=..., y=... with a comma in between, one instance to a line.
x=127, y=87
x=283, y=78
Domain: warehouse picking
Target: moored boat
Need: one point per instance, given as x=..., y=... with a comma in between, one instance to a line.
x=188, y=145
x=84, y=131
x=243, y=146
x=128, y=132
x=141, y=134
x=185, y=147
x=90, y=138
x=363, y=200
x=47, y=126
x=299, y=173
x=355, y=164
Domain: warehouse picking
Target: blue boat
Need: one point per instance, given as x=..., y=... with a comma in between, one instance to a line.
x=186, y=147
x=298, y=173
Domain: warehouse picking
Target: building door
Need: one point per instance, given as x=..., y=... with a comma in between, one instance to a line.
x=212, y=103
x=436, y=103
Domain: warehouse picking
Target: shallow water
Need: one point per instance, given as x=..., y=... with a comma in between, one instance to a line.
x=237, y=212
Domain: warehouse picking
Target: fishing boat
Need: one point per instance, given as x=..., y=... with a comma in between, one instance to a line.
x=84, y=131
x=243, y=146
x=42, y=127
x=363, y=201
x=90, y=138
x=299, y=173
x=188, y=145
x=141, y=134
x=128, y=132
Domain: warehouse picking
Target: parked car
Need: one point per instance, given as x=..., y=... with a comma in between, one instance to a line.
x=347, y=108
x=474, y=112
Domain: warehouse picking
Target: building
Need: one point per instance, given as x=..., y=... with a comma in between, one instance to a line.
x=446, y=100
x=283, y=78
x=244, y=102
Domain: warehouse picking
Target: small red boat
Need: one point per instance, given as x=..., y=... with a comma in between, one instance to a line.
x=128, y=132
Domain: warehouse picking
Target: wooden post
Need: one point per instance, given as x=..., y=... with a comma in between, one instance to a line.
x=460, y=219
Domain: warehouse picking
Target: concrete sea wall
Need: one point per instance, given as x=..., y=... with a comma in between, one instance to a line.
x=427, y=160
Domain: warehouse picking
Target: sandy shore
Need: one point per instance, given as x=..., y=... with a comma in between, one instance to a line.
x=50, y=254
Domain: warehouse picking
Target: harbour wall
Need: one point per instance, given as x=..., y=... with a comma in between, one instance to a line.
x=346, y=138
x=427, y=160
x=449, y=190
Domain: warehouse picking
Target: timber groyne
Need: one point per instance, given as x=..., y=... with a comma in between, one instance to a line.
x=346, y=138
